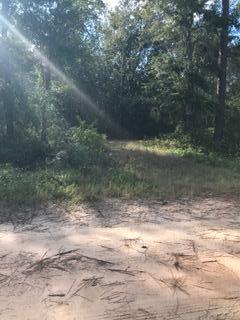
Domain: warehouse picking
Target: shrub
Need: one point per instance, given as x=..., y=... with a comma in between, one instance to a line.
x=22, y=151
x=84, y=146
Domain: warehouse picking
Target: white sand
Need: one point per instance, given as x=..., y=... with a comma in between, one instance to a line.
x=180, y=260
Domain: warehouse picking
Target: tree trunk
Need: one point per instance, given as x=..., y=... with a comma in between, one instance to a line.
x=8, y=106
x=190, y=86
x=222, y=80
x=187, y=111
x=7, y=98
x=46, y=75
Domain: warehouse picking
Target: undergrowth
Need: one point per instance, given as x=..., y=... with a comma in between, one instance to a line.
x=159, y=168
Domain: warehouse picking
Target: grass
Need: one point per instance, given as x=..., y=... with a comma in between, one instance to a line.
x=147, y=169
x=170, y=170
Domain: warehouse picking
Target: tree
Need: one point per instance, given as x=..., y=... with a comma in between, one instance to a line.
x=124, y=55
x=7, y=96
x=177, y=81
x=149, y=66
x=222, y=81
x=65, y=32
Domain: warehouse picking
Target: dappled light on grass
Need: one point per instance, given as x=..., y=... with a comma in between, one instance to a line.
x=175, y=171
x=132, y=173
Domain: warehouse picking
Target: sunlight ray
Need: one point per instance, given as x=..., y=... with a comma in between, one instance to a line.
x=58, y=73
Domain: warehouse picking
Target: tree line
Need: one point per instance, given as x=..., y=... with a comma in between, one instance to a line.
x=140, y=70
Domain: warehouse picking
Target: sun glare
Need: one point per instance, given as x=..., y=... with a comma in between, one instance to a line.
x=58, y=73
x=111, y=3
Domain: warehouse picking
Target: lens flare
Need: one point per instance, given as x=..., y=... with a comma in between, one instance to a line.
x=59, y=74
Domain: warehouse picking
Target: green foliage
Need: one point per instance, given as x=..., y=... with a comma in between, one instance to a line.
x=84, y=147
x=158, y=168
x=187, y=146
x=20, y=186
x=144, y=69
x=87, y=135
x=232, y=132
x=23, y=151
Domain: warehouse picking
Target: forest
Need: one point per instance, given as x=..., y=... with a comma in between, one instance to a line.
x=144, y=69
x=78, y=74
x=119, y=159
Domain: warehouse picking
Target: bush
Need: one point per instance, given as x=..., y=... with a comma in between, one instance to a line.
x=22, y=151
x=84, y=147
x=77, y=147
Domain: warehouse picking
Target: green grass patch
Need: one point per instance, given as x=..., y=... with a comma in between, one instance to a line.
x=143, y=169
x=184, y=149
x=72, y=185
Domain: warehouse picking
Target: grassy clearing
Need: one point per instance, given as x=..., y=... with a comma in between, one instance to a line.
x=147, y=169
x=169, y=170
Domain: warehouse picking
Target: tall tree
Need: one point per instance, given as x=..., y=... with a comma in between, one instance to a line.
x=222, y=80
x=7, y=96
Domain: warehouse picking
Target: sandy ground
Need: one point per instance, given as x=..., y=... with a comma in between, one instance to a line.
x=122, y=260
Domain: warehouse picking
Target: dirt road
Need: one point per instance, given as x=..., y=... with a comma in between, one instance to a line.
x=122, y=260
